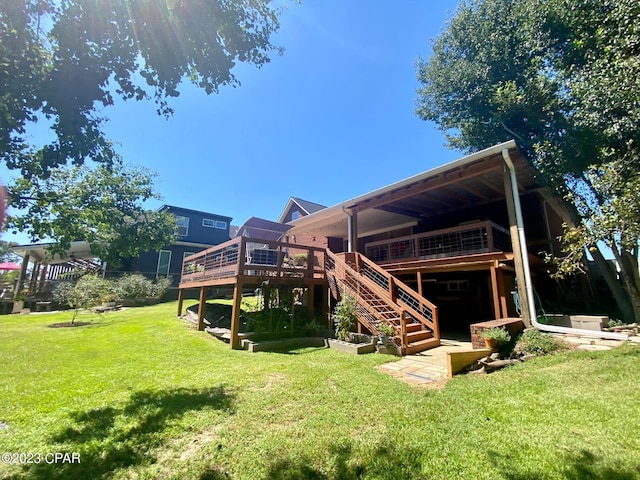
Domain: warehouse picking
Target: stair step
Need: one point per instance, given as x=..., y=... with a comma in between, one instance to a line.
x=414, y=337
x=414, y=327
x=421, y=346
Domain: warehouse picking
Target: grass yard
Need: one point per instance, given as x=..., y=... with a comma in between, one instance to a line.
x=139, y=394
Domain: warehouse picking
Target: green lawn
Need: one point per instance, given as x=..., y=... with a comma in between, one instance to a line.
x=140, y=394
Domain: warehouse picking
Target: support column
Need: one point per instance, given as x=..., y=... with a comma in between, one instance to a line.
x=517, y=247
x=501, y=292
x=201, y=307
x=419, y=278
x=494, y=292
x=326, y=301
x=234, y=341
x=43, y=277
x=180, y=300
x=352, y=231
x=22, y=274
x=311, y=298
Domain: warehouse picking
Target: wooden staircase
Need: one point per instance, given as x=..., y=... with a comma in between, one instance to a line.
x=382, y=298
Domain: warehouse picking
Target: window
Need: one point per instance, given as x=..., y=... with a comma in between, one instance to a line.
x=164, y=263
x=295, y=215
x=208, y=222
x=186, y=254
x=183, y=225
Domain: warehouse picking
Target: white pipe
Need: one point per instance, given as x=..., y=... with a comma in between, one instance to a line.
x=527, y=272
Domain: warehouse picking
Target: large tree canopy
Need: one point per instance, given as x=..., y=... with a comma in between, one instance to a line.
x=562, y=77
x=63, y=61
x=103, y=206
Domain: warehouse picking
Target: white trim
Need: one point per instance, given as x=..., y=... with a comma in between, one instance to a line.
x=168, y=264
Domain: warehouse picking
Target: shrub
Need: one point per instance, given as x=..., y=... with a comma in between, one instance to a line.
x=345, y=317
x=387, y=330
x=498, y=334
x=135, y=286
x=534, y=342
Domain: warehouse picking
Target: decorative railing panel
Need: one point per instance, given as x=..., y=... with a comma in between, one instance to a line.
x=481, y=237
x=253, y=257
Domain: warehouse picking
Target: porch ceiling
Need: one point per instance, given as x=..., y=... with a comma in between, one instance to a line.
x=471, y=181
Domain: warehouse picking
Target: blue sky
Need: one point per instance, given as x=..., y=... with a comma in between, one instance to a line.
x=330, y=119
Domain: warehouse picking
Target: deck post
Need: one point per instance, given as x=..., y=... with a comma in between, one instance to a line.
x=494, y=292
x=201, y=307
x=311, y=298
x=234, y=341
x=180, y=300
x=501, y=292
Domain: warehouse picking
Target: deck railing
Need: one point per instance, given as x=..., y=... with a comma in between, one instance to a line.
x=254, y=258
x=480, y=237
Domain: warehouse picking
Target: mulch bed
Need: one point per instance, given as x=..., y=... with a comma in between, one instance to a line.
x=68, y=324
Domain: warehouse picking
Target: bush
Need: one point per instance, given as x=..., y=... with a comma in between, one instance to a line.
x=345, y=317
x=85, y=292
x=498, y=334
x=534, y=342
x=136, y=286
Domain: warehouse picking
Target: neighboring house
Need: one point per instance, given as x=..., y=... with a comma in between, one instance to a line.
x=437, y=251
x=196, y=231
x=296, y=208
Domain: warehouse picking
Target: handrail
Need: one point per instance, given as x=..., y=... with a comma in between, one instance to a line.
x=396, y=294
x=401, y=294
x=476, y=237
x=251, y=257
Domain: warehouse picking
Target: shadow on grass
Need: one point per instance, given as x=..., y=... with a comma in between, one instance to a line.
x=582, y=466
x=383, y=461
x=108, y=439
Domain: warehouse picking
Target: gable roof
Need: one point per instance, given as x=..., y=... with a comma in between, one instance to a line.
x=306, y=206
x=262, y=229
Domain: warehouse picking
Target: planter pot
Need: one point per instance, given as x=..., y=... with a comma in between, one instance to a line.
x=352, y=348
x=491, y=343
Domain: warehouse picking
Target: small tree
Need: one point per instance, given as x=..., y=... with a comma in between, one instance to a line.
x=345, y=317
x=83, y=293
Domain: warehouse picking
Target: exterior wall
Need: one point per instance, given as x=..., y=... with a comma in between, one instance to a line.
x=147, y=262
x=197, y=232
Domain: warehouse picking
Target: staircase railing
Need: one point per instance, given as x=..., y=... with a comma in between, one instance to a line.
x=380, y=296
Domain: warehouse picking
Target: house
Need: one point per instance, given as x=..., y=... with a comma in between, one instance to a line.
x=432, y=253
x=196, y=231
x=296, y=208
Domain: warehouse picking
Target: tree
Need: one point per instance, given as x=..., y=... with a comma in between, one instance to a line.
x=63, y=61
x=562, y=78
x=103, y=206
x=83, y=293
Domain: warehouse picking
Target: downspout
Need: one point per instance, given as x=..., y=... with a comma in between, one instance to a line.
x=527, y=272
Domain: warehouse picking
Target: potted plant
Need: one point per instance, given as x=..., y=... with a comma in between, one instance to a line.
x=299, y=259
x=495, y=337
x=345, y=317
x=386, y=331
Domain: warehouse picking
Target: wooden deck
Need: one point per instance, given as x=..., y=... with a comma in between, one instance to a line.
x=249, y=262
x=252, y=261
